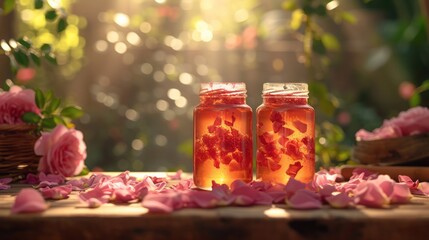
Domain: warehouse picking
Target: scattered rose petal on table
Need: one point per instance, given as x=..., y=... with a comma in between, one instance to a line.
x=32, y=179
x=340, y=200
x=56, y=193
x=293, y=186
x=424, y=188
x=29, y=200
x=370, y=194
x=4, y=183
x=49, y=180
x=176, y=176
x=94, y=197
x=304, y=199
x=164, y=201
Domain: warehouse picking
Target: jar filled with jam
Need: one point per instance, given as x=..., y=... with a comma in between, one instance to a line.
x=222, y=135
x=285, y=134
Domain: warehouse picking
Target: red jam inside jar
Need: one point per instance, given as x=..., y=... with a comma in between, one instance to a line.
x=222, y=135
x=285, y=134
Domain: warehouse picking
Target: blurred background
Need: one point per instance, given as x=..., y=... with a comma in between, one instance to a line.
x=135, y=66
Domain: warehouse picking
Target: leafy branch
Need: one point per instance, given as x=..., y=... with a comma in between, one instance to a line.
x=416, y=98
x=21, y=52
x=317, y=43
x=51, y=112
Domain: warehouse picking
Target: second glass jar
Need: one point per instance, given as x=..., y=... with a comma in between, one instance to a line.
x=222, y=135
x=285, y=134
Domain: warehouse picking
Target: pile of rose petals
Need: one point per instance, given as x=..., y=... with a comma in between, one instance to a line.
x=175, y=192
x=410, y=122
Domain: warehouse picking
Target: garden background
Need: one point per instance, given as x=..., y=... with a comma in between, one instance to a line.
x=135, y=66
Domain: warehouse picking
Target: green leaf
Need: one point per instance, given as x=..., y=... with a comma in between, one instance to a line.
x=30, y=117
x=330, y=42
x=59, y=120
x=53, y=105
x=297, y=17
x=318, y=46
x=318, y=10
x=25, y=43
x=289, y=5
x=415, y=100
x=21, y=58
x=13, y=64
x=38, y=4
x=348, y=17
x=35, y=59
x=72, y=112
x=8, y=6
x=49, y=95
x=51, y=15
x=46, y=48
x=51, y=59
x=40, y=99
x=48, y=123
x=62, y=25
x=85, y=171
x=424, y=86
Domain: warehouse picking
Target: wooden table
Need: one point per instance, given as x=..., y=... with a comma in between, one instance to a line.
x=69, y=219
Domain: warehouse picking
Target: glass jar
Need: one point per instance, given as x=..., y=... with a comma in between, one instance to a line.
x=222, y=135
x=285, y=134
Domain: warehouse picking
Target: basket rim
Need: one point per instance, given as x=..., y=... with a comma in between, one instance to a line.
x=17, y=127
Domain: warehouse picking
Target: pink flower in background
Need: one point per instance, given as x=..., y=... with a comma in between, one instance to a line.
x=25, y=74
x=411, y=122
x=29, y=200
x=63, y=151
x=406, y=90
x=16, y=102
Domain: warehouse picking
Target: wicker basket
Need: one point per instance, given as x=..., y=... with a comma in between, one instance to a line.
x=17, y=157
x=393, y=151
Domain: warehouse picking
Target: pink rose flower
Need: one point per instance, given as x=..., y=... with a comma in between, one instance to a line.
x=15, y=103
x=63, y=151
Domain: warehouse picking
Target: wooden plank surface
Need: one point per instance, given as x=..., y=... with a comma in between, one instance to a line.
x=70, y=219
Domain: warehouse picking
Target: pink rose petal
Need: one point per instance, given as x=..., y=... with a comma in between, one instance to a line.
x=32, y=179
x=165, y=201
x=94, y=197
x=340, y=200
x=123, y=195
x=176, y=176
x=293, y=186
x=203, y=199
x=401, y=193
x=79, y=184
x=327, y=190
x=4, y=183
x=304, y=199
x=370, y=194
x=29, y=200
x=58, y=192
x=407, y=180
x=424, y=188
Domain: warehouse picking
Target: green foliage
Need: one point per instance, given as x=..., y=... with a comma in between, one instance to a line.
x=8, y=6
x=52, y=113
x=22, y=53
x=415, y=100
x=317, y=43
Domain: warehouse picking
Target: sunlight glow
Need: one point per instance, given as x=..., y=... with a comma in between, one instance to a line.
x=121, y=19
